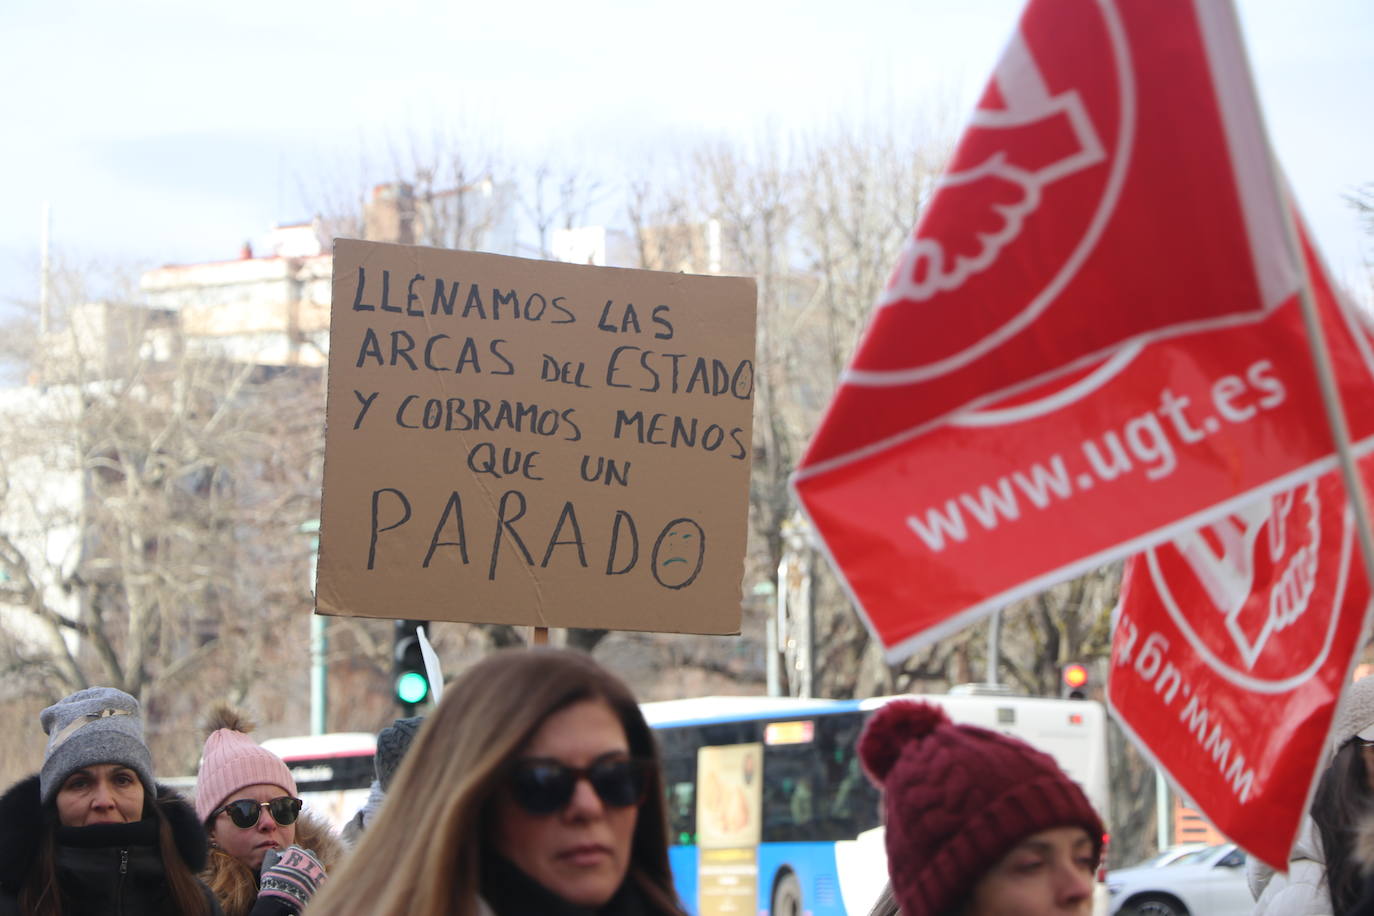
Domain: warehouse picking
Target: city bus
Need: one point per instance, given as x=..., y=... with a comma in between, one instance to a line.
x=769, y=808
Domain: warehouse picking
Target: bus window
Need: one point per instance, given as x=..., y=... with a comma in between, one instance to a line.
x=789, y=795
x=678, y=750
x=852, y=805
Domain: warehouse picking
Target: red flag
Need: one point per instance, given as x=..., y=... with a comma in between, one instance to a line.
x=1112, y=186
x=1230, y=649
x=1002, y=502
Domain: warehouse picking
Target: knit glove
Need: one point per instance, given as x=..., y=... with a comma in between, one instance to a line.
x=292, y=876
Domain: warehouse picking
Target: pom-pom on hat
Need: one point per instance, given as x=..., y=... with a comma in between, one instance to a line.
x=956, y=798
x=93, y=726
x=232, y=761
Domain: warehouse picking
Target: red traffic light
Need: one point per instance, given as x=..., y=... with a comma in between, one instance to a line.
x=1075, y=675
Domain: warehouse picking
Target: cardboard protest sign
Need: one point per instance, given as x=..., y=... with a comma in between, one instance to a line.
x=1067, y=222
x=1084, y=470
x=1231, y=646
x=530, y=442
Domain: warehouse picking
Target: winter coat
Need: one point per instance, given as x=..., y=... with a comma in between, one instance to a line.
x=236, y=885
x=353, y=830
x=1301, y=892
x=102, y=869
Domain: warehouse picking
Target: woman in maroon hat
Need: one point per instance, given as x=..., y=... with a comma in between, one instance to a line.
x=978, y=823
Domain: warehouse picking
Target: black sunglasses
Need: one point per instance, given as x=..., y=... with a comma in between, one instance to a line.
x=543, y=786
x=244, y=812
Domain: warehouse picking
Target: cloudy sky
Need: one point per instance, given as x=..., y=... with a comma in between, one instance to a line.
x=164, y=132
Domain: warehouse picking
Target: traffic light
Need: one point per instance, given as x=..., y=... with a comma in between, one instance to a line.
x=410, y=685
x=1075, y=677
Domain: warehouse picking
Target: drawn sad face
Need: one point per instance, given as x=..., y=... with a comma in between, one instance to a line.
x=678, y=553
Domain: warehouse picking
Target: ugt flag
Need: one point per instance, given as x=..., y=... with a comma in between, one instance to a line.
x=1113, y=185
x=1230, y=648
x=1004, y=501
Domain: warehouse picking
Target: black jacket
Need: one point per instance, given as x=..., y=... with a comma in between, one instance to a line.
x=104, y=869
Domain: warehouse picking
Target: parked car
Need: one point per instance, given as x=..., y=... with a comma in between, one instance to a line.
x=1170, y=856
x=1206, y=882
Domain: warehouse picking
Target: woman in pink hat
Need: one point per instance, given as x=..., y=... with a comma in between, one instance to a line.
x=267, y=857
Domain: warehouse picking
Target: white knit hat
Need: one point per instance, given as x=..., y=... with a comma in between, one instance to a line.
x=1354, y=714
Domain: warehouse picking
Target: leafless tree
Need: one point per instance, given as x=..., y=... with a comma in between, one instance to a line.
x=557, y=197
x=150, y=501
x=1362, y=200
x=440, y=188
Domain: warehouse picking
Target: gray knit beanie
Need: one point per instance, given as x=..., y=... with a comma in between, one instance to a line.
x=92, y=726
x=392, y=744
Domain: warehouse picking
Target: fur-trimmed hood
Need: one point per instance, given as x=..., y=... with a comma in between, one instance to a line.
x=316, y=834
x=21, y=820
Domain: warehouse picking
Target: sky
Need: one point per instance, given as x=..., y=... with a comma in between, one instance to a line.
x=170, y=132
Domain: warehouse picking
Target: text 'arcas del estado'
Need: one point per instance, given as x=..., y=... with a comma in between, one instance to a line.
x=627, y=366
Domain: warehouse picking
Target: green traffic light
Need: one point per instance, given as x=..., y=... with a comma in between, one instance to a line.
x=411, y=687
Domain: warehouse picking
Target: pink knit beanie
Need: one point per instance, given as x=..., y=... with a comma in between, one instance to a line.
x=232, y=761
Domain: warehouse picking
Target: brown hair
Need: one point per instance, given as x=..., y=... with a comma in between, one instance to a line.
x=886, y=904
x=422, y=854
x=234, y=884
x=41, y=894
x=1341, y=800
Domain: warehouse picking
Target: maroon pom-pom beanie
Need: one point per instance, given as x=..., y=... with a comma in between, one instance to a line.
x=956, y=798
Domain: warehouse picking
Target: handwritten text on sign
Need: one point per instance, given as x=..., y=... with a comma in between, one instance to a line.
x=533, y=442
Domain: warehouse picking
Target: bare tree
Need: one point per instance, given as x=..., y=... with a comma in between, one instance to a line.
x=558, y=198
x=433, y=189
x=1362, y=200
x=150, y=501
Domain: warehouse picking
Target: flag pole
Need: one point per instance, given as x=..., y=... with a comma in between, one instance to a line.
x=1316, y=336
x=1331, y=400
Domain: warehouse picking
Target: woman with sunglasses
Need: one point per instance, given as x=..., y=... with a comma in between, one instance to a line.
x=92, y=833
x=1323, y=875
x=267, y=857
x=533, y=788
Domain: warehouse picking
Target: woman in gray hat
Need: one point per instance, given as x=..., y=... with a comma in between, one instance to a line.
x=92, y=833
